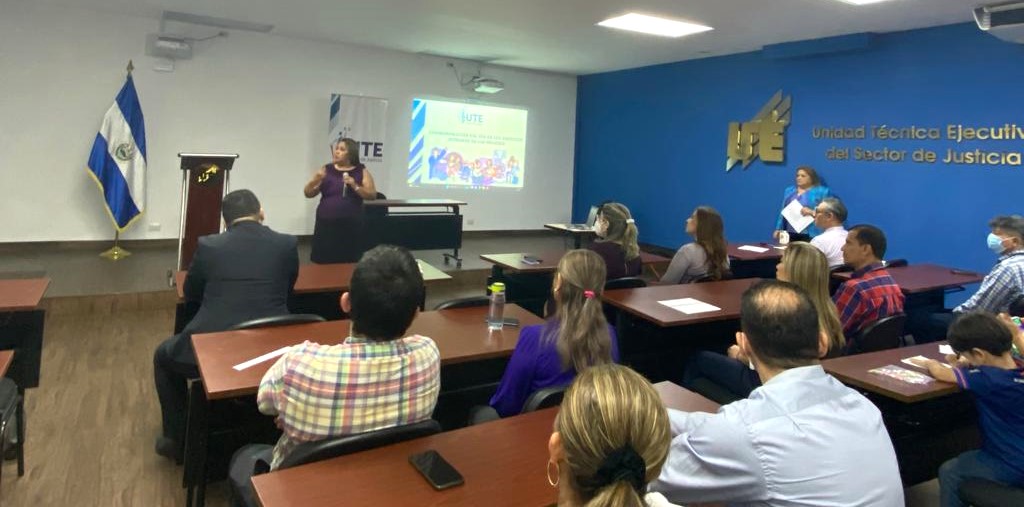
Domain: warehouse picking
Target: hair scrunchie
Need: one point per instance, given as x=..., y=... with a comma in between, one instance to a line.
x=621, y=464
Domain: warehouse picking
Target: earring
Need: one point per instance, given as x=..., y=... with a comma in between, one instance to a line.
x=558, y=477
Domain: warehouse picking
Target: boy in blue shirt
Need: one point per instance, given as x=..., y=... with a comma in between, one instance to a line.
x=984, y=365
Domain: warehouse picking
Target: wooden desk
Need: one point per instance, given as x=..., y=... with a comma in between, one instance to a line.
x=643, y=302
x=21, y=327
x=317, y=289
x=747, y=264
x=774, y=253
x=461, y=335
x=577, y=233
x=922, y=278
x=6, y=356
x=853, y=370
x=502, y=463
x=549, y=261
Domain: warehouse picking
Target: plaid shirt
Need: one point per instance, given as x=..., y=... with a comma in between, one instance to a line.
x=869, y=295
x=320, y=391
x=1001, y=287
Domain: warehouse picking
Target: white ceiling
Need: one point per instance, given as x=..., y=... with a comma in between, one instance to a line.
x=558, y=35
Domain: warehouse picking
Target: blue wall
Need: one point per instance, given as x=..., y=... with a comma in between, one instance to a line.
x=654, y=138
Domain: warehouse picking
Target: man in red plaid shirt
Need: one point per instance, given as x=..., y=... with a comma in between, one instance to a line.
x=870, y=294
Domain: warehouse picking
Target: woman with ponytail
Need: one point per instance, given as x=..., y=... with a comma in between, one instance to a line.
x=611, y=438
x=616, y=244
x=574, y=338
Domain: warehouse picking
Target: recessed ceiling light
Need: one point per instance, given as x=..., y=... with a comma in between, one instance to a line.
x=653, y=25
x=862, y=2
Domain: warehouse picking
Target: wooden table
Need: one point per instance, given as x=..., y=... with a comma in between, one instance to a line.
x=854, y=371
x=774, y=252
x=461, y=335
x=317, y=289
x=644, y=302
x=549, y=261
x=503, y=463
x=576, y=232
x=921, y=278
x=21, y=327
x=747, y=264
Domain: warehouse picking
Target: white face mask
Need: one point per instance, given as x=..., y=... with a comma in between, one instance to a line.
x=601, y=228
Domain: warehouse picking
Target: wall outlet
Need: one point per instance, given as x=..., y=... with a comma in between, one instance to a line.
x=154, y=226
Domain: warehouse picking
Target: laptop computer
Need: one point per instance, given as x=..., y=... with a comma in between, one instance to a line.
x=591, y=218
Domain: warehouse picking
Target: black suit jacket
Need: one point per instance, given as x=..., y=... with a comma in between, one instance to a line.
x=244, y=273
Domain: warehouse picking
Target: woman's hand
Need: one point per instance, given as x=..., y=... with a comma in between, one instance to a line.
x=313, y=187
x=349, y=180
x=775, y=234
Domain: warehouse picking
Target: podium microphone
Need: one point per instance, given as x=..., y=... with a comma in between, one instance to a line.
x=344, y=187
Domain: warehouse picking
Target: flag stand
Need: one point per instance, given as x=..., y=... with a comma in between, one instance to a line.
x=116, y=253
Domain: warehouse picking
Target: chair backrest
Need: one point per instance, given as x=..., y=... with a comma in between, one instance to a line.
x=544, y=398
x=985, y=493
x=883, y=334
x=469, y=302
x=277, y=320
x=895, y=263
x=627, y=282
x=377, y=211
x=833, y=282
x=1017, y=307
x=309, y=452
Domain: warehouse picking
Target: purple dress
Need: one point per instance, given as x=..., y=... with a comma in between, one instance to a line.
x=535, y=365
x=338, y=233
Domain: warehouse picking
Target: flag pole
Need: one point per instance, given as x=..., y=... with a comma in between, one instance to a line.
x=116, y=253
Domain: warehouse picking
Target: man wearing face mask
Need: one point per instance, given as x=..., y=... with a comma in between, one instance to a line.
x=1001, y=287
x=617, y=241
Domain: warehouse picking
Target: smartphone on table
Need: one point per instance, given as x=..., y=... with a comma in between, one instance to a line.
x=438, y=472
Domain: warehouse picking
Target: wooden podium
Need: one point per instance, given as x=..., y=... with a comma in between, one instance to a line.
x=205, y=178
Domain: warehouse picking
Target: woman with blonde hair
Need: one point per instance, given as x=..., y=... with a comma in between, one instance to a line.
x=575, y=337
x=706, y=256
x=611, y=438
x=617, y=241
x=803, y=265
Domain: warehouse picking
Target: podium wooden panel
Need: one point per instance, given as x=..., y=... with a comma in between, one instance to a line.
x=204, y=182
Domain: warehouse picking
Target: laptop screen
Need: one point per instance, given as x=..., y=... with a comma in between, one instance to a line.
x=592, y=216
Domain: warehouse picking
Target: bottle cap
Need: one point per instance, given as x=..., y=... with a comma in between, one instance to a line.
x=497, y=287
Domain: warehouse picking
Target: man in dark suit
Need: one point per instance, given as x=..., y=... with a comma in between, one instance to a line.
x=244, y=273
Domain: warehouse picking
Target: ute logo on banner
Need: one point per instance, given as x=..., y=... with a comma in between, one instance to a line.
x=363, y=119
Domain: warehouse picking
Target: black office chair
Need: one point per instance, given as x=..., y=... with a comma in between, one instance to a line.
x=12, y=407
x=895, y=263
x=883, y=334
x=277, y=320
x=544, y=398
x=469, y=302
x=627, y=282
x=377, y=211
x=309, y=452
x=984, y=493
x=1017, y=307
x=833, y=282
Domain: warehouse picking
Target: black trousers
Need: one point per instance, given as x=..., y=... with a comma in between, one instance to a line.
x=171, y=377
x=727, y=373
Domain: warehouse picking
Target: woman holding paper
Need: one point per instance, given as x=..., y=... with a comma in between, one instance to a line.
x=806, y=194
x=342, y=185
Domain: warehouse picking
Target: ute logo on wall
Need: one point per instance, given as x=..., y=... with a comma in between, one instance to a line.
x=763, y=136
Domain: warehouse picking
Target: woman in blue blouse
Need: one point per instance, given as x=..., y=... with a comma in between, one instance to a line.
x=809, y=191
x=575, y=337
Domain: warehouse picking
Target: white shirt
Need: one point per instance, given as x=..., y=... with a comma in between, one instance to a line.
x=802, y=439
x=831, y=243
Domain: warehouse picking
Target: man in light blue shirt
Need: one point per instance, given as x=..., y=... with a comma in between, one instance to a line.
x=801, y=439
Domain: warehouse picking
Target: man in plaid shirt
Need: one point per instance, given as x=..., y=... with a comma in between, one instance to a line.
x=373, y=380
x=870, y=294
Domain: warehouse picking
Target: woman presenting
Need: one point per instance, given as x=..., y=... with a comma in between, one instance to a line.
x=342, y=185
x=808, y=191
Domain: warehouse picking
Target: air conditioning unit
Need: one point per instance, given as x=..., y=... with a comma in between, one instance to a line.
x=1004, y=20
x=174, y=47
x=486, y=85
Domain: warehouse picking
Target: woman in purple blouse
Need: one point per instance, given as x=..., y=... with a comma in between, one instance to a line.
x=616, y=244
x=342, y=185
x=575, y=337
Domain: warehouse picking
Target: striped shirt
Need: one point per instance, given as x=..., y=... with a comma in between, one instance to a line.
x=1001, y=287
x=321, y=391
x=869, y=295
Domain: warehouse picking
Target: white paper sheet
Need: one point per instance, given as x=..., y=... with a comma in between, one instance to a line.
x=946, y=350
x=751, y=248
x=798, y=220
x=265, y=357
x=907, y=361
x=689, y=306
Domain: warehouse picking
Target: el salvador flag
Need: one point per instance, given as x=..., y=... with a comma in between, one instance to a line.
x=118, y=158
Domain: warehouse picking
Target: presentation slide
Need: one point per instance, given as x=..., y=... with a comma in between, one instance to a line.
x=459, y=145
